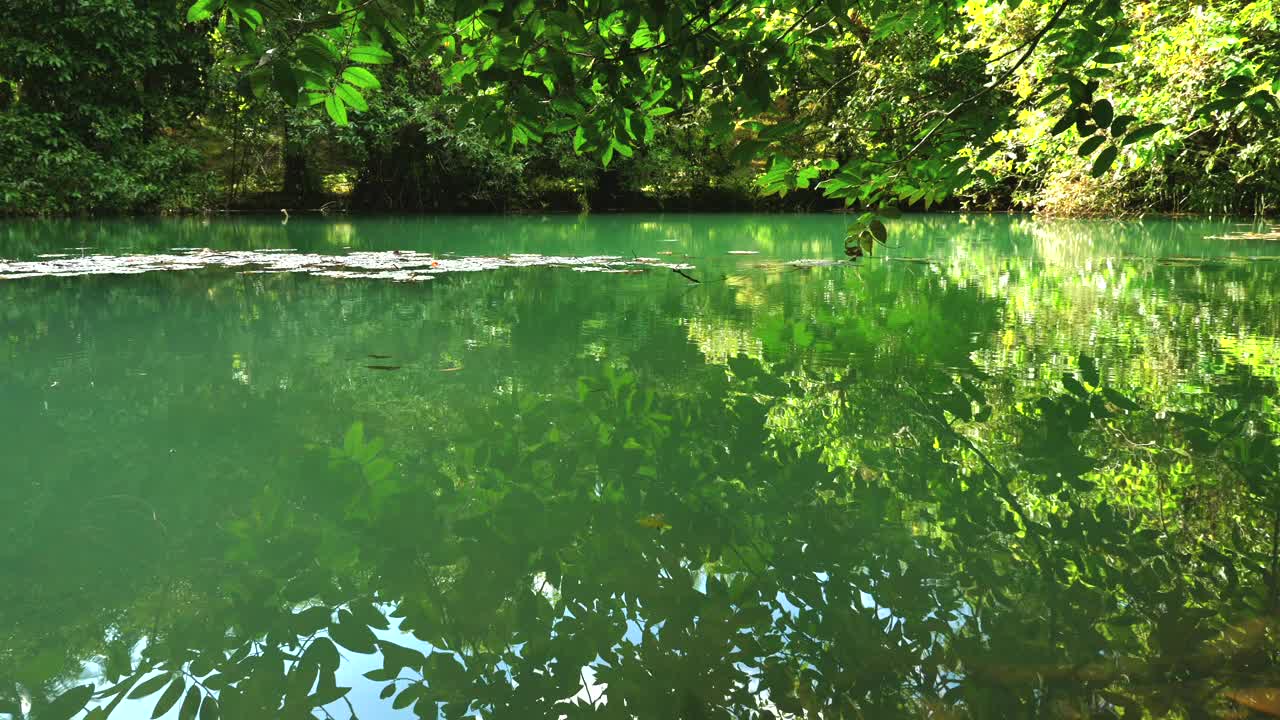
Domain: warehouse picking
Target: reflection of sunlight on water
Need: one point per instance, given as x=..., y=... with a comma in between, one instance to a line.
x=719, y=341
x=340, y=234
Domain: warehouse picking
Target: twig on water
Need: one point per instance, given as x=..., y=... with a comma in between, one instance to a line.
x=686, y=276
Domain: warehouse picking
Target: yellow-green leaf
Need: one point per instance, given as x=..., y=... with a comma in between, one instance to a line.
x=333, y=105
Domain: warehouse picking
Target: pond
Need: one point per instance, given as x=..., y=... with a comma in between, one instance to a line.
x=638, y=466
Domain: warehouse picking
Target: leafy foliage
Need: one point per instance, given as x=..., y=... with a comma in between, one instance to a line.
x=88, y=96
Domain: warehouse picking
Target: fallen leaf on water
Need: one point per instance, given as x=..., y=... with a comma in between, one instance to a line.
x=383, y=367
x=654, y=522
x=1263, y=700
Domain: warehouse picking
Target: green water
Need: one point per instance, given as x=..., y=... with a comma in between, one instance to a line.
x=1008, y=468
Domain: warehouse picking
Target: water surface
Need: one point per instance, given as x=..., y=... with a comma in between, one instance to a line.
x=1006, y=468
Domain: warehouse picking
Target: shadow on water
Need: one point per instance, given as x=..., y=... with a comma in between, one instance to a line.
x=993, y=485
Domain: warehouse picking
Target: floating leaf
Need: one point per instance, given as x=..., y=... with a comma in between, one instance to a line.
x=654, y=522
x=878, y=230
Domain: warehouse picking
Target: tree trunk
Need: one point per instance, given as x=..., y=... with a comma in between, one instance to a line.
x=300, y=185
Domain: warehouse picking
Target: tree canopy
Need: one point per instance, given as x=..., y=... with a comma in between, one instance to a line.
x=872, y=104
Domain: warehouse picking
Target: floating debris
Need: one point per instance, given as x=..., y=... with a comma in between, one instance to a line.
x=398, y=266
x=1265, y=700
x=744, y=252
x=456, y=368
x=383, y=367
x=378, y=357
x=1271, y=234
x=816, y=263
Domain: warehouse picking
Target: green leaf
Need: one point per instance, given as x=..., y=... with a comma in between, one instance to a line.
x=660, y=111
x=406, y=697
x=1088, y=147
x=1103, y=161
x=1073, y=386
x=149, y=686
x=1065, y=122
x=1089, y=370
x=1141, y=133
x=350, y=96
x=169, y=698
x=202, y=10
x=209, y=709
x=282, y=78
x=1121, y=123
x=360, y=77
x=250, y=16
x=323, y=653
x=1109, y=57
x=1079, y=92
x=352, y=634
x=607, y=156
x=803, y=338
x=878, y=230
x=190, y=704
x=368, y=614
x=370, y=55
x=1103, y=113
x=354, y=439
x=560, y=125
x=325, y=695
x=68, y=703
x=336, y=109
x=1119, y=400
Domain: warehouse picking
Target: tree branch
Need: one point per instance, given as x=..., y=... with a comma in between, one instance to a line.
x=1030, y=48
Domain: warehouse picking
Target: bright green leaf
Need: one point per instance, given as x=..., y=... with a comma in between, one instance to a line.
x=361, y=78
